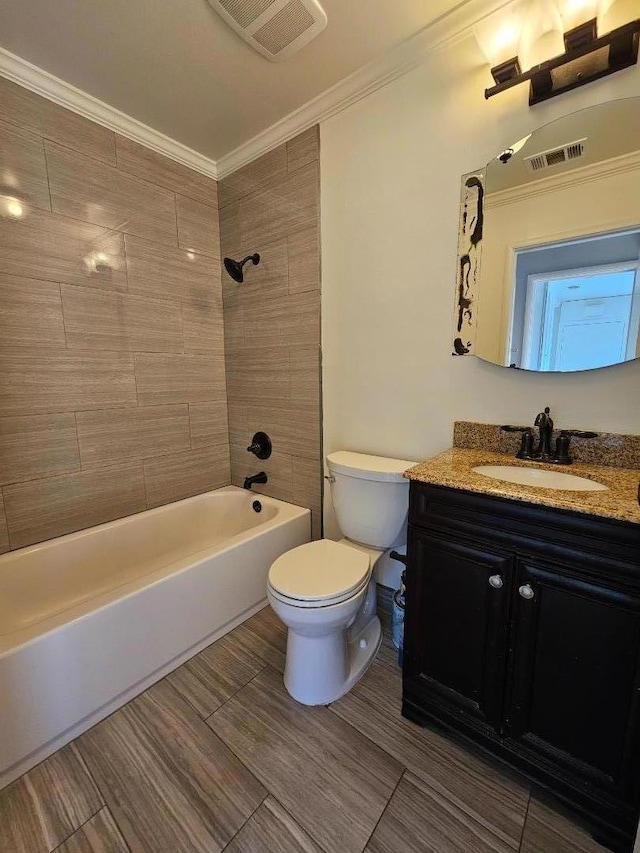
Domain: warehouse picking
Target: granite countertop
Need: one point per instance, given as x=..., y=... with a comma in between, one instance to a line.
x=453, y=469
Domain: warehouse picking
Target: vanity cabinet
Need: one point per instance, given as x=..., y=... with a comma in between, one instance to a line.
x=523, y=635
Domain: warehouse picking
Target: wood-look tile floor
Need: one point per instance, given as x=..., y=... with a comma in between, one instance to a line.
x=218, y=757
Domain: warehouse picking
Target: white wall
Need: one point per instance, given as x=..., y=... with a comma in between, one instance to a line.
x=390, y=187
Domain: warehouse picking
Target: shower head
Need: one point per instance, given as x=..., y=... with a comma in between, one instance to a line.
x=234, y=268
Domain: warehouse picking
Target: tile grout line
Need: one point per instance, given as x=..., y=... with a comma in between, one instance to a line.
x=428, y=784
x=240, y=828
x=524, y=823
x=77, y=829
x=46, y=171
x=235, y=693
x=382, y=814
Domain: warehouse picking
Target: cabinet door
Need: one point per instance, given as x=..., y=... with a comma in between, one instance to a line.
x=574, y=681
x=457, y=629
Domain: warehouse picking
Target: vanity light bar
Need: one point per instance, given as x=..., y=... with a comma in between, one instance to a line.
x=586, y=58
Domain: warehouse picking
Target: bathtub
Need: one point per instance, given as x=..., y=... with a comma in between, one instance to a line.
x=89, y=620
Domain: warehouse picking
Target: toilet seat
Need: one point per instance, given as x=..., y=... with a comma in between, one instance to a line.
x=319, y=574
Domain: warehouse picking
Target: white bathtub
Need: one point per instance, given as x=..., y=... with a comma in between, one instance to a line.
x=89, y=620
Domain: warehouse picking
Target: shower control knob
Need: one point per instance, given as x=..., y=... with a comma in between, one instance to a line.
x=260, y=445
x=496, y=581
x=526, y=591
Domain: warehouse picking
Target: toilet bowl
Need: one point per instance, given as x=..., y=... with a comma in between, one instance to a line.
x=324, y=591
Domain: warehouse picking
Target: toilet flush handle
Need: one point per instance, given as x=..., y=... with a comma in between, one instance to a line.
x=330, y=478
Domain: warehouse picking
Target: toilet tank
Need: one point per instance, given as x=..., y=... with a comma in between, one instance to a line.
x=370, y=497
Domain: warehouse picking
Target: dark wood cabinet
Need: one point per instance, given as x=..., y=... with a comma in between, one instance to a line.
x=523, y=635
x=459, y=646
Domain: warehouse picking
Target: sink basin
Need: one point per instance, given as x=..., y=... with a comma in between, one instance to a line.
x=540, y=478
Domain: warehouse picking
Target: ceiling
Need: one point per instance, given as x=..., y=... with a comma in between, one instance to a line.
x=177, y=67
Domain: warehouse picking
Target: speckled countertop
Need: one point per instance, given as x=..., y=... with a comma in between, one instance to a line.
x=453, y=469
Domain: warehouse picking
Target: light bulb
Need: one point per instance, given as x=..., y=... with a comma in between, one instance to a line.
x=498, y=34
x=541, y=34
x=576, y=12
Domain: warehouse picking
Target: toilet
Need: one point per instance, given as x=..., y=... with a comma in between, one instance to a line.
x=324, y=591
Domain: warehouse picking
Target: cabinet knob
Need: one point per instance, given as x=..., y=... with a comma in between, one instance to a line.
x=496, y=581
x=526, y=591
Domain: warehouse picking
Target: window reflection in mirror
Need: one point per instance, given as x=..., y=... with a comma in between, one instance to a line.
x=559, y=287
x=577, y=304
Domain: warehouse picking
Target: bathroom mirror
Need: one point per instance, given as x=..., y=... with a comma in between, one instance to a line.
x=549, y=280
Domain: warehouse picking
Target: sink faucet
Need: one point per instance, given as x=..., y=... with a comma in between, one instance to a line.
x=545, y=431
x=542, y=453
x=256, y=479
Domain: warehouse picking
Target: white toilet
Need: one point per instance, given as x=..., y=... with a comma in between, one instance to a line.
x=324, y=591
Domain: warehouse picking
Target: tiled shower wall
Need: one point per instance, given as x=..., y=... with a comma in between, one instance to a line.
x=272, y=321
x=112, y=379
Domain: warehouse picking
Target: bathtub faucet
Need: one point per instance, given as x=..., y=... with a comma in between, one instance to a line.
x=257, y=479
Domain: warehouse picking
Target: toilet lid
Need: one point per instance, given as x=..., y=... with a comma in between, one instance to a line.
x=319, y=571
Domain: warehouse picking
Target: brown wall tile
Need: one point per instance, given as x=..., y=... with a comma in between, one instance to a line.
x=293, y=320
x=54, y=248
x=303, y=149
x=209, y=424
x=167, y=272
x=306, y=474
x=198, y=227
x=305, y=374
x=145, y=163
x=30, y=313
x=92, y=349
x=119, y=321
x=254, y=375
x=4, y=533
x=233, y=329
x=178, y=379
x=304, y=260
x=23, y=167
x=203, y=330
x=230, y=234
x=37, y=446
x=25, y=108
x=282, y=206
x=251, y=177
x=272, y=325
x=64, y=381
x=117, y=435
x=181, y=475
x=86, y=189
x=307, y=490
x=42, y=509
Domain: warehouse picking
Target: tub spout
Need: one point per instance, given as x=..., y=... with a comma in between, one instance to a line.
x=257, y=479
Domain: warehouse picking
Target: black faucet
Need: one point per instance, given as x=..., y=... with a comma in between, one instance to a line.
x=542, y=453
x=561, y=456
x=257, y=479
x=545, y=431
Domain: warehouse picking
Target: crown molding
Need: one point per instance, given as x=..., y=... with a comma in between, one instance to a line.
x=42, y=83
x=443, y=33
x=446, y=31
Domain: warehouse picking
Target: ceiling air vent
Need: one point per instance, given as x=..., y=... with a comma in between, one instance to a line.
x=556, y=156
x=275, y=28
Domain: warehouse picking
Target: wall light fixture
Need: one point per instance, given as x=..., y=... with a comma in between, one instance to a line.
x=556, y=45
